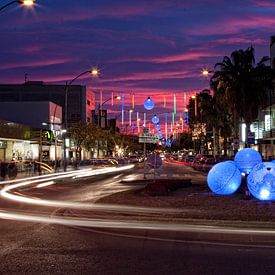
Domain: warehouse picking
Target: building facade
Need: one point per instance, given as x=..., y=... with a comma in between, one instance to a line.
x=76, y=101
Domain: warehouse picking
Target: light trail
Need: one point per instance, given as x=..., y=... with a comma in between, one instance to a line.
x=45, y=184
x=129, y=224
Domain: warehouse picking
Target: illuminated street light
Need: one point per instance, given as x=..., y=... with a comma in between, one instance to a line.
x=206, y=72
x=27, y=3
x=94, y=72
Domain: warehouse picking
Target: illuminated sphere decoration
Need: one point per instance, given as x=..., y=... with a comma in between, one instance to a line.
x=155, y=119
x=160, y=135
x=158, y=127
x=246, y=159
x=261, y=181
x=273, y=161
x=224, y=178
x=149, y=104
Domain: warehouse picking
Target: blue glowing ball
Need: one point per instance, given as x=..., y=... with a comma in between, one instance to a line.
x=261, y=181
x=160, y=135
x=246, y=159
x=273, y=161
x=155, y=119
x=149, y=104
x=158, y=127
x=224, y=178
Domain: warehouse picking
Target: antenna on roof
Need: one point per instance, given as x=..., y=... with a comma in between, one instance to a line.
x=26, y=77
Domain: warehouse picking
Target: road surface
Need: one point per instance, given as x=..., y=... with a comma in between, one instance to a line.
x=88, y=246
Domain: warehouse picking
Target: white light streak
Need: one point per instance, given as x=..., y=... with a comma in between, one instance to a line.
x=45, y=184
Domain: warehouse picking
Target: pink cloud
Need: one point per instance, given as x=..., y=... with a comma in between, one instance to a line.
x=265, y=4
x=235, y=25
x=38, y=63
x=238, y=40
x=152, y=76
x=188, y=56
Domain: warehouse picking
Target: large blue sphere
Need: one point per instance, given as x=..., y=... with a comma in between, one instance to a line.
x=246, y=159
x=224, y=178
x=155, y=119
x=261, y=181
x=273, y=161
x=149, y=104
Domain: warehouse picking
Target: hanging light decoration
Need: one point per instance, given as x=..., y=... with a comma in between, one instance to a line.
x=130, y=117
x=173, y=118
x=155, y=119
x=133, y=102
x=164, y=102
x=144, y=120
x=100, y=100
x=160, y=135
x=158, y=127
x=166, y=125
x=122, y=110
x=149, y=104
x=138, y=121
x=184, y=99
x=175, y=104
x=112, y=98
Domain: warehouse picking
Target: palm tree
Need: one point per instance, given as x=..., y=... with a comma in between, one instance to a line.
x=242, y=87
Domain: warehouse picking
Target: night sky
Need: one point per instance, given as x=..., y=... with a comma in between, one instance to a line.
x=141, y=47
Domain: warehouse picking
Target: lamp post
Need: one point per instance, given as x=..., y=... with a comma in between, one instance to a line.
x=94, y=72
x=101, y=105
x=26, y=3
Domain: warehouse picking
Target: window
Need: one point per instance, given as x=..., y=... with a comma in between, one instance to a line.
x=89, y=102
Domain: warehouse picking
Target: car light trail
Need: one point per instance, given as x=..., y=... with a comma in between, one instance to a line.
x=45, y=184
x=130, y=224
x=6, y=192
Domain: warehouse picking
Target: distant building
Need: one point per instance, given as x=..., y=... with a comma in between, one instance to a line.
x=263, y=130
x=80, y=101
x=272, y=51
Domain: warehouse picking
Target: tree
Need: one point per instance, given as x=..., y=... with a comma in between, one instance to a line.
x=242, y=87
x=88, y=136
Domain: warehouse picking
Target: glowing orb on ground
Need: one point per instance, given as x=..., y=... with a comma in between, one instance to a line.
x=155, y=119
x=149, y=104
x=273, y=161
x=261, y=181
x=224, y=178
x=246, y=159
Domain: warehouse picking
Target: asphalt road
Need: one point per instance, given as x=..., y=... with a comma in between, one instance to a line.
x=43, y=248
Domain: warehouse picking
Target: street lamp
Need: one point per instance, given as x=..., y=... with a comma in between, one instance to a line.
x=26, y=3
x=94, y=72
x=206, y=72
x=118, y=97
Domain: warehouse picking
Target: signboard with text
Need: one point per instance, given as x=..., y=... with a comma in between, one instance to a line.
x=148, y=138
